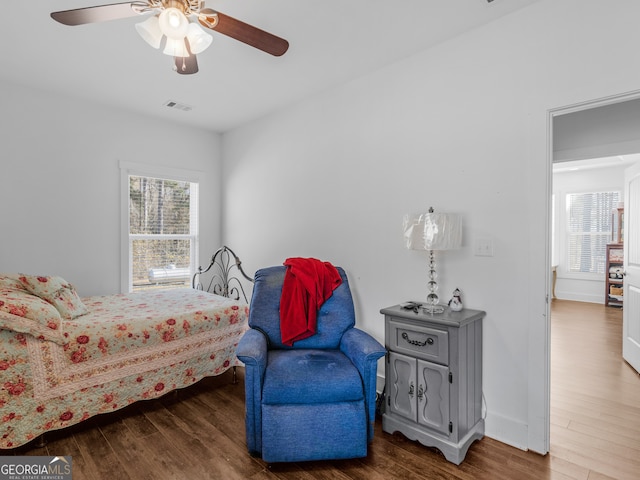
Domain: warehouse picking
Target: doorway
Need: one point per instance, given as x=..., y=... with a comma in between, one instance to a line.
x=592, y=135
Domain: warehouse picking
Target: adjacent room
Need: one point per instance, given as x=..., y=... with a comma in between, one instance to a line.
x=314, y=131
x=594, y=148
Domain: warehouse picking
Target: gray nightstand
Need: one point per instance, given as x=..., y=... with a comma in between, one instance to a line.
x=434, y=378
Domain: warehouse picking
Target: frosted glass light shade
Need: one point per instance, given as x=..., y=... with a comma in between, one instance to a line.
x=176, y=48
x=150, y=31
x=199, y=40
x=433, y=231
x=173, y=23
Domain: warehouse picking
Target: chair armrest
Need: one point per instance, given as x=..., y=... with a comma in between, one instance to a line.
x=361, y=348
x=364, y=351
x=252, y=349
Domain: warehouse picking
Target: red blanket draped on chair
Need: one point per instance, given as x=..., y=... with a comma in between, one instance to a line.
x=308, y=282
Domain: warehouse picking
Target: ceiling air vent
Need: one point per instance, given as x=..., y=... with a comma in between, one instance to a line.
x=177, y=106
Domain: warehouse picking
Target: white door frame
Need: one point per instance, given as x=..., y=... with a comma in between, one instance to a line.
x=551, y=114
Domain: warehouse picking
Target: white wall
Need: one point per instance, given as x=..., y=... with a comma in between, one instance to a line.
x=462, y=127
x=60, y=194
x=580, y=287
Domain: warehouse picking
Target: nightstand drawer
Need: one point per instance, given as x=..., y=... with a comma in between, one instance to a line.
x=422, y=342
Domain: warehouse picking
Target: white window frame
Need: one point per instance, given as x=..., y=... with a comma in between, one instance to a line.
x=128, y=169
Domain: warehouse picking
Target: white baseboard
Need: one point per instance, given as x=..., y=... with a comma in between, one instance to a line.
x=580, y=297
x=507, y=430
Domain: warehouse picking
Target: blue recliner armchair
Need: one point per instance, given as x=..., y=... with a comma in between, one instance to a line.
x=315, y=400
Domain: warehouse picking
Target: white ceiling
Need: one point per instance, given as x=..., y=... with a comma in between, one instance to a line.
x=600, y=162
x=331, y=42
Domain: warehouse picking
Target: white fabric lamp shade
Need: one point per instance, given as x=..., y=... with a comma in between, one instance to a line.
x=433, y=231
x=199, y=40
x=150, y=31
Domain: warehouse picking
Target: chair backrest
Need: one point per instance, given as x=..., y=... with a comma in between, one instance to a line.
x=335, y=316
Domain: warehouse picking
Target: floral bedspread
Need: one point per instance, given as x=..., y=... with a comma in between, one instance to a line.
x=127, y=348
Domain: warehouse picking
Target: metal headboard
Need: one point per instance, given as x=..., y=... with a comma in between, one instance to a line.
x=222, y=279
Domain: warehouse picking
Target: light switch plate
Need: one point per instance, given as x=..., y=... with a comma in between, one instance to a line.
x=483, y=247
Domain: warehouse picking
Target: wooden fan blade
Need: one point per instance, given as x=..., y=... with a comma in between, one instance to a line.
x=186, y=65
x=100, y=13
x=246, y=33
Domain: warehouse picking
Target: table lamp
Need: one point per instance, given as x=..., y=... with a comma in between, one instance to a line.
x=433, y=231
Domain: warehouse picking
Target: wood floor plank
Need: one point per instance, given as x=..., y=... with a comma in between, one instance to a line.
x=137, y=423
x=175, y=450
x=614, y=434
x=216, y=451
x=99, y=459
x=66, y=445
x=623, y=459
x=134, y=455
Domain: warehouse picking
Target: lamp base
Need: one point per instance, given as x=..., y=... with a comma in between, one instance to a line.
x=431, y=309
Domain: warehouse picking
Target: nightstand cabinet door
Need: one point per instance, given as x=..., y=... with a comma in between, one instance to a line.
x=402, y=383
x=433, y=396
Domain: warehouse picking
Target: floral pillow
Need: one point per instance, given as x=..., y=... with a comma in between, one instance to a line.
x=58, y=292
x=25, y=313
x=12, y=281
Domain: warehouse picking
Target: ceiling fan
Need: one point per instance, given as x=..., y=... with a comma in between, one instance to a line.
x=172, y=19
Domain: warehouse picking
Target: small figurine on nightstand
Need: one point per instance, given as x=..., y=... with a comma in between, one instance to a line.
x=455, y=304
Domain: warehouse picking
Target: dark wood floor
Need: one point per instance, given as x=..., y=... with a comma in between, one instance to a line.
x=199, y=434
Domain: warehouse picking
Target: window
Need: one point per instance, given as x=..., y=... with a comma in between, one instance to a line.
x=162, y=231
x=589, y=224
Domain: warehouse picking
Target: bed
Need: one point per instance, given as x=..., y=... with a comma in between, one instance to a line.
x=64, y=359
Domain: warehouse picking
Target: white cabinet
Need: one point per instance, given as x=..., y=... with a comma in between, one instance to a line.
x=433, y=378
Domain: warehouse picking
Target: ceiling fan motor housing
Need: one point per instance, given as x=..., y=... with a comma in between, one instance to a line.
x=185, y=6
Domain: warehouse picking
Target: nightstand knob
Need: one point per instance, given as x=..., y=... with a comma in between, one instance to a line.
x=430, y=341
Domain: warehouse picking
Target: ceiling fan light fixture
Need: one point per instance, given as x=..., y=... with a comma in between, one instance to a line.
x=199, y=40
x=173, y=19
x=175, y=47
x=173, y=23
x=150, y=31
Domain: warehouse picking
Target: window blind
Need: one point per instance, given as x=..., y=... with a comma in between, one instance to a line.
x=589, y=224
